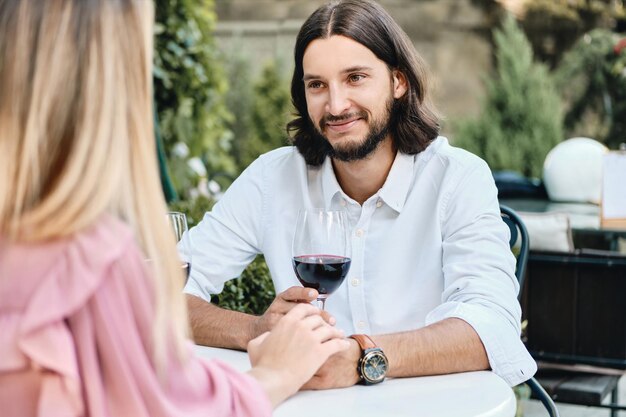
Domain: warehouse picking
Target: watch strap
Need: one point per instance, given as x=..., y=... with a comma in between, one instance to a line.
x=364, y=341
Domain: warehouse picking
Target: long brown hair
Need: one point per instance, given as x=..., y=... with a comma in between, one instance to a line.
x=414, y=121
x=76, y=133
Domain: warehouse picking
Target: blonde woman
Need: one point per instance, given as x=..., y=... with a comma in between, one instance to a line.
x=88, y=326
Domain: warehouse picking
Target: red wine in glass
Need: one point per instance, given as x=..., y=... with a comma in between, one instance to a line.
x=321, y=250
x=325, y=273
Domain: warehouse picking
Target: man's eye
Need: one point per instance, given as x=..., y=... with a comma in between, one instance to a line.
x=355, y=78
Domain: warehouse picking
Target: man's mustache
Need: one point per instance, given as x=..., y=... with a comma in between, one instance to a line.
x=329, y=118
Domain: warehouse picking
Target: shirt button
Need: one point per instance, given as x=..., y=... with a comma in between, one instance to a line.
x=342, y=203
x=355, y=282
x=379, y=203
x=359, y=232
x=361, y=325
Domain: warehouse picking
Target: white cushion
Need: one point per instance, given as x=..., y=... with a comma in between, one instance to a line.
x=548, y=231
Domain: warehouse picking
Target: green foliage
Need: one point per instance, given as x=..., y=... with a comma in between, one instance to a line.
x=553, y=26
x=189, y=87
x=253, y=291
x=521, y=118
x=581, y=12
x=240, y=101
x=261, y=110
x=270, y=113
x=592, y=78
x=194, y=209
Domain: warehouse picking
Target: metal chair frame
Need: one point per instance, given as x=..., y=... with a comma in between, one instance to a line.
x=518, y=230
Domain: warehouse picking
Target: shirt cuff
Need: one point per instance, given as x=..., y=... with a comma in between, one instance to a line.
x=193, y=288
x=507, y=355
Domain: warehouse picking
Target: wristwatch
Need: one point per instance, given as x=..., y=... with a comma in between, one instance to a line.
x=373, y=364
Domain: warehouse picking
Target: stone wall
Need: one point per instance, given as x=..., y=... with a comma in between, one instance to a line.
x=451, y=35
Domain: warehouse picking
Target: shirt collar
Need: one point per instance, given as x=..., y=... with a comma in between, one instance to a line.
x=394, y=191
x=330, y=185
x=396, y=188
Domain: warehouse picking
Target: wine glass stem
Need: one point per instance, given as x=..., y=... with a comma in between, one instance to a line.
x=321, y=303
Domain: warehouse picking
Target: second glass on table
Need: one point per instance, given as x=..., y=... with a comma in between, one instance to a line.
x=178, y=223
x=321, y=250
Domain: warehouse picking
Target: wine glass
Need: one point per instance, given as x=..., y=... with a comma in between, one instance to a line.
x=178, y=223
x=321, y=250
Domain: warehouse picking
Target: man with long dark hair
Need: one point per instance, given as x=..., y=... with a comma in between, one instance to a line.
x=431, y=288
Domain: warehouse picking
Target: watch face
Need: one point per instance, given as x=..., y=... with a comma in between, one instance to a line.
x=374, y=367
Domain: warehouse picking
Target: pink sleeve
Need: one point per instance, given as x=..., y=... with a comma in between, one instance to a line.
x=88, y=328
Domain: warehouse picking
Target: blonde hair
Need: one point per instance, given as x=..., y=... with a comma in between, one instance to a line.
x=76, y=133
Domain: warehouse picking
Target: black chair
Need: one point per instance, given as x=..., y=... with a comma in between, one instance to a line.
x=518, y=232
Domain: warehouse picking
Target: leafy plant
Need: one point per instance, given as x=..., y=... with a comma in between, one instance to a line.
x=194, y=209
x=261, y=110
x=592, y=77
x=270, y=113
x=521, y=118
x=553, y=26
x=252, y=292
x=189, y=88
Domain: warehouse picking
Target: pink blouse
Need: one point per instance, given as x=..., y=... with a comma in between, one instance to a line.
x=75, y=327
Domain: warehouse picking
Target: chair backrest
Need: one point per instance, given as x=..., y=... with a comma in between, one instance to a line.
x=519, y=233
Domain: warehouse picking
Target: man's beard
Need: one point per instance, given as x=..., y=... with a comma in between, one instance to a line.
x=350, y=152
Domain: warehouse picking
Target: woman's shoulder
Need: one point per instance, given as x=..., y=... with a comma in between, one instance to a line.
x=106, y=240
x=28, y=265
x=60, y=274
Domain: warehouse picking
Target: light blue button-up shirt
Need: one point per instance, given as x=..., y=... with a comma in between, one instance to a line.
x=429, y=245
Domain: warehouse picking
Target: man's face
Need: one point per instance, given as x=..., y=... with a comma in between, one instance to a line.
x=349, y=94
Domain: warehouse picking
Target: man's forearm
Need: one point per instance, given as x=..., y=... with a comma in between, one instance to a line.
x=449, y=346
x=215, y=326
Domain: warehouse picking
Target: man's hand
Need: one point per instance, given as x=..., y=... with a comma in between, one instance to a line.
x=282, y=304
x=339, y=370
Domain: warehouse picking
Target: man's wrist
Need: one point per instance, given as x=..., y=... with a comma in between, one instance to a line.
x=372, y=365
x=250, y=331
x=353, y=354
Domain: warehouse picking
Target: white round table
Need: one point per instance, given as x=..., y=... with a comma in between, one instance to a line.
x=469, y=394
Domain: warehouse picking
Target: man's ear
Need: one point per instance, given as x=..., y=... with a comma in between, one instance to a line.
x=400, y=84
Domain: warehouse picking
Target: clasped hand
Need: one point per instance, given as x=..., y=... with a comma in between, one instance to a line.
x=288, y=356
x=340, y=368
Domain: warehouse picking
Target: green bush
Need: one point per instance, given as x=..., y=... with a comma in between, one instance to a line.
x=261, y=110
x=204, y=121
x=189, y=89
x=592, y=78
x=270, y=113
x=521, y=118
x=194, y=209
x=253, y=291
x=553, y=26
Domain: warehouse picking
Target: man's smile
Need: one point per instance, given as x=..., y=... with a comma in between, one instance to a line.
x=342, y=126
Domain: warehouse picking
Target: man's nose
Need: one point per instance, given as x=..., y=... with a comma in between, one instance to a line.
x=338, y=101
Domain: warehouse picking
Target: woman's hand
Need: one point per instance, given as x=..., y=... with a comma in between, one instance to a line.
x=288, y=356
